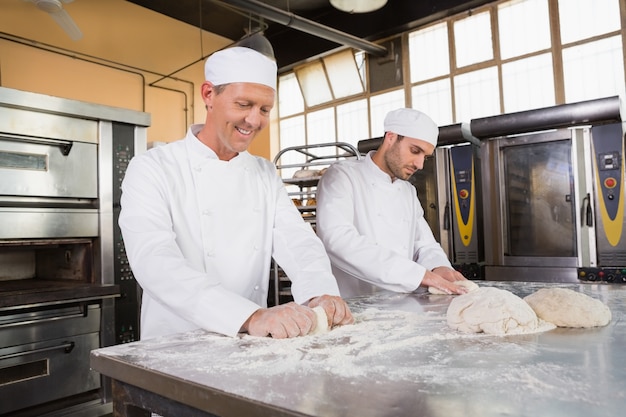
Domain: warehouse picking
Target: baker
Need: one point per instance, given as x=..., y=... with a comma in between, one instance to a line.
x=371, y=221
x=201, y=219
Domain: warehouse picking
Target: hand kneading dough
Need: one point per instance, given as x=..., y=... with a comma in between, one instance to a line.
x=568, y=308
x=470, y=285
x=322, y=321
x=492, y=311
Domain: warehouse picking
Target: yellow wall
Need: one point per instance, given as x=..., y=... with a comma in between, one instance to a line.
x=121, y=61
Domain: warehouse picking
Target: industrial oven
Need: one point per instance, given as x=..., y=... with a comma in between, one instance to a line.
x=65, y=284
x=553, y=193
x=456, y=174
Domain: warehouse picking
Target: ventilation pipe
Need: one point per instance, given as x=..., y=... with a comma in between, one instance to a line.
x=304, y=25
x=565, y=115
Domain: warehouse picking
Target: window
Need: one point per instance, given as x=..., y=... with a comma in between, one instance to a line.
x=314, y=83
x=498, y=58
x=524, y=26
x=594, y=70
x=352, y=122
x=472, y=39
x=429, y=55
x=476, y=94
x=291, y=134
x=434, y=98
x=343, y=74
x=582, y=19
x=290, y=99
x=528, y=83
x=320, y=126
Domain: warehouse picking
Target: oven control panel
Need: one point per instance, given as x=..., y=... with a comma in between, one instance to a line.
x=605, y=275
x=127, y=305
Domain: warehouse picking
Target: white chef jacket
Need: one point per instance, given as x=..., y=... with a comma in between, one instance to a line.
x=200, y=233
x=374, y=229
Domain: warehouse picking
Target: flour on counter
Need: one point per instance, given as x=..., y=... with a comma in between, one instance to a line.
x=373, y=342
x=412, y=346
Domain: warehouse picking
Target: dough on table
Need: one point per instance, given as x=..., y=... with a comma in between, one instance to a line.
x=470, y=285
x=568, y=308
x=322, y=321
x=493, y=311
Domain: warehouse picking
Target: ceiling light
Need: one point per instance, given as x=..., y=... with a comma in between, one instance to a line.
x=358, y=6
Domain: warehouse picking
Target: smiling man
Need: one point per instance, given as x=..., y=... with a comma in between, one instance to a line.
x=201, y=219
x=371, y=221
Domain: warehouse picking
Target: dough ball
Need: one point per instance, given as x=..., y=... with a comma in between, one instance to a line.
x=322, y=321
x=470, y=285
x=493, y=311
x=306, y=173
x=568, y=308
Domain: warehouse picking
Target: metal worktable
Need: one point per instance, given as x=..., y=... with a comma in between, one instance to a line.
x=399, y=359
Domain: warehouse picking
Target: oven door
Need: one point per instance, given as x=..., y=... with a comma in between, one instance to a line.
x=39, y=167
x=46, y=354
x=534, y=217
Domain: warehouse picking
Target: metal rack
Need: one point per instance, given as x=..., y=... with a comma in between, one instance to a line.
x=303, y=191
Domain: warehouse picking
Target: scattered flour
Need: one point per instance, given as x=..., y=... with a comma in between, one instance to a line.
x=393, y=348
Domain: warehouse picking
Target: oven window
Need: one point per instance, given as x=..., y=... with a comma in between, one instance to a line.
x=17, y=160
x=538, y=188
x=24, y=371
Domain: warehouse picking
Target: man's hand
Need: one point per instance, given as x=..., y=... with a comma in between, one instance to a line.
x=281, y=321
x=449, y=274
x=432, y=279
x=336, y=309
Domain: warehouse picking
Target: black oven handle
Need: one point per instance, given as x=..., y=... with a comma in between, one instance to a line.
x=64, y=145
x=66, y=346
x=587, y=211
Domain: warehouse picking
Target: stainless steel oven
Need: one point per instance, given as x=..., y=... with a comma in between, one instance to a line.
x=533, y=207
x=65, y=287
x=553, y=194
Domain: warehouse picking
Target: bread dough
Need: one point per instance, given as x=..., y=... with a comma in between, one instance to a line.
x=568, y=308
x=306, y=173
x=493, y=311
x=322, y=321
x=470, y=285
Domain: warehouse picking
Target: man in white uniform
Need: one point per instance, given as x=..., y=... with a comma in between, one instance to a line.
x=371, y=221
x=201, y=219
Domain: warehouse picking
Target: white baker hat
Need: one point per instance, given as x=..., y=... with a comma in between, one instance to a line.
x=412, y=124
x=239, y=64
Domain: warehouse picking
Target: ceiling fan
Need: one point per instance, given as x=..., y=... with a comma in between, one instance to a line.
x=55, y=9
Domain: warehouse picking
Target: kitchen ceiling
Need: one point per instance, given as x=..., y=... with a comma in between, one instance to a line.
x=291, y=44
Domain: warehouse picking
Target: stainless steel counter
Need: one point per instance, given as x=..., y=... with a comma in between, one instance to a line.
x=399, y=359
